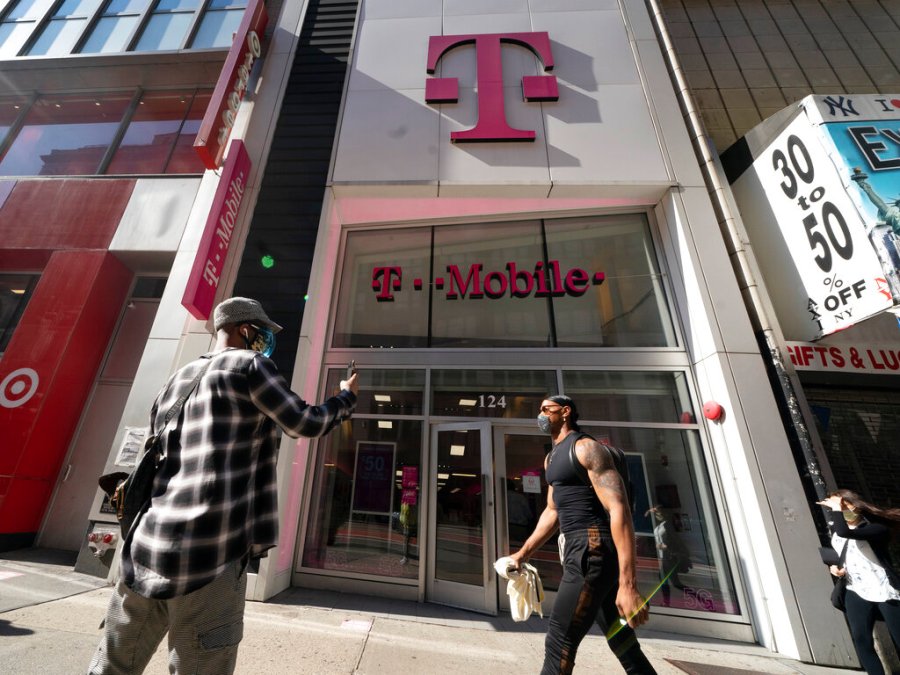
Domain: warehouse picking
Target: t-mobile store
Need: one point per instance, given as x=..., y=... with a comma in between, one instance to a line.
x=516, y=210
x=461, y=330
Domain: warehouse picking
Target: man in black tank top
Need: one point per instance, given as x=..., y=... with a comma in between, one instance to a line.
x=587, y=499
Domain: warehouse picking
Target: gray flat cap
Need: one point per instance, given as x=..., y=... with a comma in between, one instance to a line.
x=242, y=310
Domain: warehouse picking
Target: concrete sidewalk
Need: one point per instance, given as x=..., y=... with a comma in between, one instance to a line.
x=311, y=631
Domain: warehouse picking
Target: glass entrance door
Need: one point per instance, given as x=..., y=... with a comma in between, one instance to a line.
x=462, y=540
x=521, y=498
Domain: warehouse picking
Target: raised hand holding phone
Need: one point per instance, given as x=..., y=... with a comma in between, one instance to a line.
x=351, y=383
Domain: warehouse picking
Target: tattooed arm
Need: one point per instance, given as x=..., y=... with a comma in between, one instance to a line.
x=610, y=489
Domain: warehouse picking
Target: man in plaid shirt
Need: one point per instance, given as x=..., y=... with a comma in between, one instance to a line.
x=214, y=504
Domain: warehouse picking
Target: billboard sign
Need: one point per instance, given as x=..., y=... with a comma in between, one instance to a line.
x=828, y=260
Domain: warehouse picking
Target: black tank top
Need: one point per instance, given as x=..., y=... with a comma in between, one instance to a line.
x=576, y=502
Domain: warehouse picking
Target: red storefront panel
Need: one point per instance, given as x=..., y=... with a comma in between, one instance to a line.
x=62, y=229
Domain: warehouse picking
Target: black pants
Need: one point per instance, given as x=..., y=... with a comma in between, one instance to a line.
x=587, y=593
x=861, y=615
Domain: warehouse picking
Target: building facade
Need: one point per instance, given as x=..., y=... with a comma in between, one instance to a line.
x=481, y=207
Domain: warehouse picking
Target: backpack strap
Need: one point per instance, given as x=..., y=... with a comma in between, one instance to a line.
x=577, y=466
x=618, y=458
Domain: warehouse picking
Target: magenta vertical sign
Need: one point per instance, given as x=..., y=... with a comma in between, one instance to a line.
x=213, y=251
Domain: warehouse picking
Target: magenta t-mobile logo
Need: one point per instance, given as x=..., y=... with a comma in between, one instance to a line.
x=491, y=125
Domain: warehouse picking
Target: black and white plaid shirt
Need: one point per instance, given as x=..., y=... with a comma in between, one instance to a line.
x=215, y=497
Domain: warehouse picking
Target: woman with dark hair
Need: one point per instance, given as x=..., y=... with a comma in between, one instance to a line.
x=873, y=587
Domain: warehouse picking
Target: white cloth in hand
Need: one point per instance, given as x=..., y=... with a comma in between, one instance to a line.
x=524, y=588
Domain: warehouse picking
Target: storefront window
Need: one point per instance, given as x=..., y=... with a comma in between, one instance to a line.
x=65, y=135
x=71, y=135
x=159, y=138
x=586, y=282
x=15, y=291
x=367, y=500
x=10, y=109
x=630, y=396
x=473, y=262
x=510, y=394
x=375, y=307
x=385, y=392
x=629, y=308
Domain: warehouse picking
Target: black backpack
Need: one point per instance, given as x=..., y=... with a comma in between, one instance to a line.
x=618, y=459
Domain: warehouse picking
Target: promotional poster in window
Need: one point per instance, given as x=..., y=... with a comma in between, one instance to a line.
x=818, y=187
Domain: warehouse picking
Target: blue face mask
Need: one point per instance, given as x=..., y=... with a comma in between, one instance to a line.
x=264, y=342
x=544, y=423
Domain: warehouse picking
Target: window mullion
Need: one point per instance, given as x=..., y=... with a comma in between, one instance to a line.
x=89, y=28
x=195, y=24
x=16, y=126
x=120, y=132
x=141, y=26
x=39, y=26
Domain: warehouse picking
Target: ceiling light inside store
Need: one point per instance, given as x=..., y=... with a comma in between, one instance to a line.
x=458, y=450
x=18, y=291
x=385, y=424
x=468, y=401
x=443, y=476
x=383, y=398
x=465, y=475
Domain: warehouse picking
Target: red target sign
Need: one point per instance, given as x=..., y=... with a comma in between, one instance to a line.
x=18, y=387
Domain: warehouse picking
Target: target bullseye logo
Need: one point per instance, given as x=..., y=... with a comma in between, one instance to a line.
x=18, y=387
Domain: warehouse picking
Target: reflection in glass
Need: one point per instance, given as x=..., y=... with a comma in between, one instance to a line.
x=12, y=37
x=384, y=392
x=491, y=285
x=511, y=394
x=667, y=471
x=630, y=396
x=218, y=26
x=111, y=34
x=526, y=498
x=10, y=109
x=364, y=513
x=629, y=308
x=184, y=158
x=160, y=135
x=64, y=135
x=18, y=23
x=64, y=28
x=15, y=291
x=378, y=305
x=469, y=308
x=459, y=527
x=164, y=32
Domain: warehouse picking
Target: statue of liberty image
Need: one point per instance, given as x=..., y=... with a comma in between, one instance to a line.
x=885, y=232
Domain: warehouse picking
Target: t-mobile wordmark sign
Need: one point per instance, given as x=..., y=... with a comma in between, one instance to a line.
x=492, y=124
x=545, y=281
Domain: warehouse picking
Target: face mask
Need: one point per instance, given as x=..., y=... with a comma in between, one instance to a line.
x=544, y=423
x=264, y=342
x=850, y=516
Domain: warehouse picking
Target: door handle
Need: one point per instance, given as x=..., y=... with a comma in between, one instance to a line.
x=485, y=489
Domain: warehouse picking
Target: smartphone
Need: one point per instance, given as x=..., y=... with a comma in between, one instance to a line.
x=351, y=369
